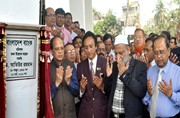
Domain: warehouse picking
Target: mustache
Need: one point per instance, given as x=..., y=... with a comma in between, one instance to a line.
x=101, y=54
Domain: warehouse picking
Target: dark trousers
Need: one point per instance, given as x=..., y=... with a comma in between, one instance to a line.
x=112, y=115
x=121, y=115
x=145, y=112
x=77, y=106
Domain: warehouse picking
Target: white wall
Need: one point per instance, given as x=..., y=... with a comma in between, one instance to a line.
x=21, y=94
x=58, y=4
x=82, y=12
x=77, y=10
x=88, y=15
x=19, y=11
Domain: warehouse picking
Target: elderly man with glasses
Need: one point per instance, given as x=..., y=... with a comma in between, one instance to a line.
x=64, y=83
x=163, y=95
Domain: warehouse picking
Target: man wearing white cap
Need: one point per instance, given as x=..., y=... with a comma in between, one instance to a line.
x=126, y=83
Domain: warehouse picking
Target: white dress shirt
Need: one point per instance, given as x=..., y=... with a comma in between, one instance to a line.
x=94, y=69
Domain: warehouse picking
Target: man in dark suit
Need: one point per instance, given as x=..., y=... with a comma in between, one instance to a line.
x=64, y=83
x=126, y=83
x=175, y=54
x=90, y=74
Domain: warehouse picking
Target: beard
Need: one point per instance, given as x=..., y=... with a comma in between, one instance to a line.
x=126, y=59
x=138, y=49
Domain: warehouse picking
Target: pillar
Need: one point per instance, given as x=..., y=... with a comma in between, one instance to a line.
x=82, y=12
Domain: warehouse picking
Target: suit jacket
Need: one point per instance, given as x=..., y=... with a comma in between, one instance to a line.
x=63, y=101
x=94, y=101
x=177, y=52
x=135, y=86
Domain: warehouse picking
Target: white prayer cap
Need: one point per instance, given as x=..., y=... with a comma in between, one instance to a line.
x=121, y=39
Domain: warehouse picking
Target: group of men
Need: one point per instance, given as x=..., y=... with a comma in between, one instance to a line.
x=113, y=82
x=59, y=23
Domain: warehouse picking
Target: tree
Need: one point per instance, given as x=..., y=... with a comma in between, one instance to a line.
x=164, y=19
x=97, y=15
x=161, y=13
x=176, y=13
x=110, y=24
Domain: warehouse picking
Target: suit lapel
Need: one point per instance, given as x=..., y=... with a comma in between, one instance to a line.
x=131, y=65
x=98, y=66
x=115, y=75
x=55, y=63
x=88, y=72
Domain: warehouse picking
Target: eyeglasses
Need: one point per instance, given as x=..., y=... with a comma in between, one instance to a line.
x=161, y=52
x=51, y=15
x=71, y=51
x=138, y=37
x=100, y=49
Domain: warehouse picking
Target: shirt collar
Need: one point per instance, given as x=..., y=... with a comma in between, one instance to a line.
x=167, y=67
x=153, y=63
x=94, y=60
x=111, y=52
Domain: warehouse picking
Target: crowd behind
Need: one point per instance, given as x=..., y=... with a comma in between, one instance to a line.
x=95, y=76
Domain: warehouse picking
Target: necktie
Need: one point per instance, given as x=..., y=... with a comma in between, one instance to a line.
x=92, y=73
x=91, y=68
x=155, y=96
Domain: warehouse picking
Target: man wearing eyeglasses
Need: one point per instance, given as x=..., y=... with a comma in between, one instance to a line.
x=64, y=83
x=50, y=21
x=163, y=95
x=70, y=53
x=139, y=42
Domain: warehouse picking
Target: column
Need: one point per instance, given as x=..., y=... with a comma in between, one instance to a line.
x=82, y=12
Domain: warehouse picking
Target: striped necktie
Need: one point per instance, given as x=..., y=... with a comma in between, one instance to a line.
x=91, y=68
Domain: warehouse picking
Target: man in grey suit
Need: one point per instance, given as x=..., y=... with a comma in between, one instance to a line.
x=64, y=84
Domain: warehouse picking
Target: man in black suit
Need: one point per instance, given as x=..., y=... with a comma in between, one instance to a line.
x=126, y=83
